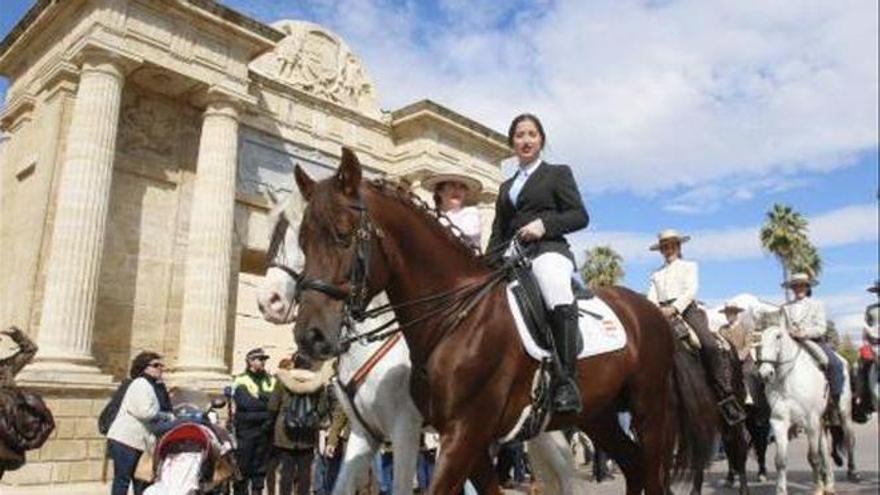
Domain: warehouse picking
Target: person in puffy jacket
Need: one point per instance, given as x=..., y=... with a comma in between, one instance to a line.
x=296, y=454
x=251, y=392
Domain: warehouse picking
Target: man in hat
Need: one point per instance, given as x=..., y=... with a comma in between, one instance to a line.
x=868, y=350
x=252, y=391
x=806, y=322
x=737, y=331
x=454, y=195
x=673, y=287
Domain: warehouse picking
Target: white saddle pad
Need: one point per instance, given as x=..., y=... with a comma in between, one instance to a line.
x=600, y=335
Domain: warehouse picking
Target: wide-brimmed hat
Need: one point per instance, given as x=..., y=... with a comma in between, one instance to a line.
x=731, y=306
x=473, y=185
x=800, y=278
x=669, y=235
x=875, y=288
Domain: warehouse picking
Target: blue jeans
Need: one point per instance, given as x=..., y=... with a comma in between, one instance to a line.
x=383, y=466
x=125, y=460
x=835, y=369
x=326, y=472
x=425, y=469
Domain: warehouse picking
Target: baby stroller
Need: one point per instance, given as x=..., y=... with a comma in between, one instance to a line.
x=194, y=454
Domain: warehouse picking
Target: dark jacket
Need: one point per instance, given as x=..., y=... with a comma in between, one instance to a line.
x=550, y=194
x=251, y=396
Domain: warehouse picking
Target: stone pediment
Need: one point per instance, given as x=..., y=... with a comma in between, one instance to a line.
x=316, y=61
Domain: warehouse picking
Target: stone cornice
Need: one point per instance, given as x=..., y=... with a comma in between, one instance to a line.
x=429, y=110
x=17, y=107
x=245, y=23
x=20, y=28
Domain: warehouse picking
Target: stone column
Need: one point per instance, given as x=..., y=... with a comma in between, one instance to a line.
x=209, y=252
x=68, y=310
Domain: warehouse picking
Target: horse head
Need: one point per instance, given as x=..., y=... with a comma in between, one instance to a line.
x=283, y=261
x=336, y=239
x=771, y=352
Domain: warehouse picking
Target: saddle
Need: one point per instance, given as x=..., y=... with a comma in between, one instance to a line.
x=535, y=313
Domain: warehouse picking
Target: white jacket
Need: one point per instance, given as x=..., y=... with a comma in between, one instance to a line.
x=806, y=318
x=139, y=407
x=677, y=280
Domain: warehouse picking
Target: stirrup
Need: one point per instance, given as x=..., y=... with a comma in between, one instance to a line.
x=731, y=411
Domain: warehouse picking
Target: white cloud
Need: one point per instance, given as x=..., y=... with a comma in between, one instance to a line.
x=638, y=95
x=847, y=225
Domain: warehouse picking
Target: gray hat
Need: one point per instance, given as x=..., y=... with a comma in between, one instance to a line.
x=731, y=306
x=256, y=353
x=875, y=288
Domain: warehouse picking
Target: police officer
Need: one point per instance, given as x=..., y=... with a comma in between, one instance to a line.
x=252, y=390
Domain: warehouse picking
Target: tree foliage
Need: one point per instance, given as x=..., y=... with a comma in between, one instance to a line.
x=603, y=266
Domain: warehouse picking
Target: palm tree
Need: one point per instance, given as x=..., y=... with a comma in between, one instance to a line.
x=784, y=232
x=603, y=266
x=806, y=259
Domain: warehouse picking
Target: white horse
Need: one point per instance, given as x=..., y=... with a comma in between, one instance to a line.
x=382, y=405
x=798, y=395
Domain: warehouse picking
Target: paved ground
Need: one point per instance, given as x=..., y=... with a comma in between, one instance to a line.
x=799, y=474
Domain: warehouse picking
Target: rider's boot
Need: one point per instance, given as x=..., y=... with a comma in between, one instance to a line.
x=564, y=319
x=731, y=410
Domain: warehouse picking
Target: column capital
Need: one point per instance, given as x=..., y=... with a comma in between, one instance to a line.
x=217, y=99
x=99, y=58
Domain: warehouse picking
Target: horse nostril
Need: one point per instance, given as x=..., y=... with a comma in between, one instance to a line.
x=316, y=337
x=274, y=298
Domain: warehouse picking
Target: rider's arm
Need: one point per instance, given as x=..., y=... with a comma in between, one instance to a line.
x=493, y=249
x=140, y=400
x=814, y=325
x=652, y=291
x=570, y=214
x=689, y=272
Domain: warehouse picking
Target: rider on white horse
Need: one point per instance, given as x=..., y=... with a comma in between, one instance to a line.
x=807, y=324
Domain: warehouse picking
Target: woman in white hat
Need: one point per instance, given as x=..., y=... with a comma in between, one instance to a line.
x=673, y=287
x=806, y=321
x=453, y=196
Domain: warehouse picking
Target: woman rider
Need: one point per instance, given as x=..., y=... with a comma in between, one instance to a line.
x=538, y=206
x=453, y=194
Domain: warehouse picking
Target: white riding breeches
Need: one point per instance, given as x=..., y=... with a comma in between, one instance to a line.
x=553, y=272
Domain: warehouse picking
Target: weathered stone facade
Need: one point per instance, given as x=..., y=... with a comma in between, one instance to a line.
x=139, y=139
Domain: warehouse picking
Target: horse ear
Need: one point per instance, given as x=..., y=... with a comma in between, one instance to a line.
x=349, y=173
x=305, y=183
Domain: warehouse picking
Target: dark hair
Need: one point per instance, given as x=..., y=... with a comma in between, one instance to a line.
x=141, y=361
x=521, y=117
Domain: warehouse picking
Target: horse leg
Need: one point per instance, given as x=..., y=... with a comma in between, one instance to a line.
x=736, y=445
x=405, y=441
x=827, y=468
x=358, y=454
x=780, y=431
x=815, y=446
x=606, y=434
x=850, y=438
x=759, y=431
x=461, y=450
x=484, y=476
x=552, y=459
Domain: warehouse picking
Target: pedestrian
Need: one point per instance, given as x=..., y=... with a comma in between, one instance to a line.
x=294, y=446
x=334, y=438
x=426, y=460
x=251, y=392
x=145, y=404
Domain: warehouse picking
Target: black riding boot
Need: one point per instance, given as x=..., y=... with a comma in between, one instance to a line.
x=566, y=397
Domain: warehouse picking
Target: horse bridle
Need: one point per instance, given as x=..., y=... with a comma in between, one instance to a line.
x=354, y=298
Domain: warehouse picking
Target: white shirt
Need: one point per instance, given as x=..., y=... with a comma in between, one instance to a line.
x=467, y=220
x=677, y=280
x=806, y=318
x=522, y=175
x=139, y=408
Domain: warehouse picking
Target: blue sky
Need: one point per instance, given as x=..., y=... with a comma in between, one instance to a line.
x=688, y=114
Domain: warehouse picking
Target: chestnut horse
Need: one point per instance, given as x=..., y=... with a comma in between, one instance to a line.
x=471, y=377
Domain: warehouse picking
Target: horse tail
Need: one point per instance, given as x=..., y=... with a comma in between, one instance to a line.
x=695, y=414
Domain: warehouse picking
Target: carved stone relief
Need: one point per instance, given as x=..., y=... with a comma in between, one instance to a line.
x=316, y=61
x=146, y=125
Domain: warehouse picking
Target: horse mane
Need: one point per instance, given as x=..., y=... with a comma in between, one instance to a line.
x=450, y=231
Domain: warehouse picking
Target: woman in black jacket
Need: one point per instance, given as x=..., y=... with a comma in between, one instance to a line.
x=538, y=206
